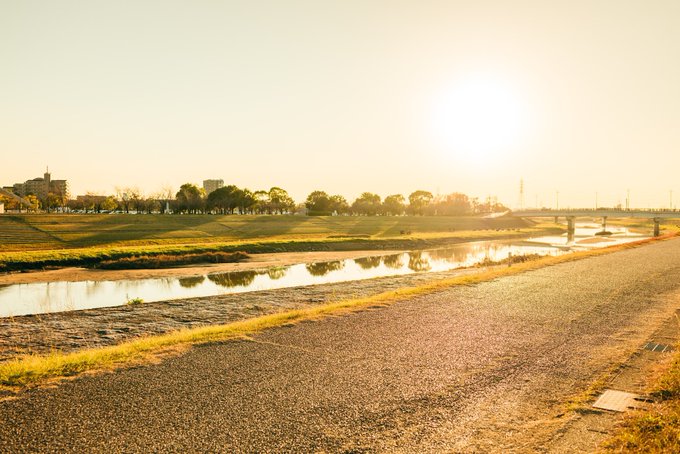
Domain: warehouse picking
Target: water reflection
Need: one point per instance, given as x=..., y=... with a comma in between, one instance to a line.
x=233, y=279
x=367, y=263
x=394, y=261
x=418, y=262
x=36, y=298
x=450, y=255
x=93, y=287
x=191, y=281
x=277, y=272
x=323, y=268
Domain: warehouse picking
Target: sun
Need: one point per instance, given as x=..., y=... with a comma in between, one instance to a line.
x=479, y=120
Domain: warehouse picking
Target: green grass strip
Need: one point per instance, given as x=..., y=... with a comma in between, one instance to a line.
x=91, y=256
x=32, y=370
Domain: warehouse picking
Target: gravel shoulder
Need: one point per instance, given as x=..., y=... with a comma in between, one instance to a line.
x=483, y=368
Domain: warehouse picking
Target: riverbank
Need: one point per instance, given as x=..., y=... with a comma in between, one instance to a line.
x=111, y=337
x=90, y=257
x=68, y=231
x=75, y=330
x=434, y=334
x=255, y=261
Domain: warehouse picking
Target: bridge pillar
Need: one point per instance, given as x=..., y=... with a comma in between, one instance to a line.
x=571, y=229
x=557, y=219
x=604, y=223
x=656, y=226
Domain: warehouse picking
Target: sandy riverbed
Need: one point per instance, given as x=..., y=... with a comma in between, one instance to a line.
x=73, y=274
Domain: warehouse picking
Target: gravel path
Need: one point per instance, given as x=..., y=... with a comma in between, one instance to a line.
x=470, y=369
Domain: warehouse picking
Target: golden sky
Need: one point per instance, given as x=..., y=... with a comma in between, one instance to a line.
x=580, y=97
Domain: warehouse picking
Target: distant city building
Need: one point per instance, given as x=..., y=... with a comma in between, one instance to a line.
x=40, y=187
x=60, y=187
x=212, y=185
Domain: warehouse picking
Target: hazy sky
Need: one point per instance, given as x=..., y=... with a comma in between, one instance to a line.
x=347, y=96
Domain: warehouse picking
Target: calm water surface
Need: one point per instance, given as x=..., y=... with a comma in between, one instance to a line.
x=38, y=298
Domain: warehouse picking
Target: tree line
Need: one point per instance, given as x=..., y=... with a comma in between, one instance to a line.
x=231, y=199
x=192, y=199
x=420, y=203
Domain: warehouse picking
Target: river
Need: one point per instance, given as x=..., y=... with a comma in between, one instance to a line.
x=39, y=298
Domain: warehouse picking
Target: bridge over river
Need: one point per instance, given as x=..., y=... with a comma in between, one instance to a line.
x=604, y=213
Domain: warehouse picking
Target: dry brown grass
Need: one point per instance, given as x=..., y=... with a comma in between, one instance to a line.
x=655, y=430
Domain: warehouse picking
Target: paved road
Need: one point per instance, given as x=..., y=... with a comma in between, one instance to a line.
x=480, y=368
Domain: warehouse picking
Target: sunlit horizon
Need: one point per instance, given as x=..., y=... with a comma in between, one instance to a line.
x=578, y=100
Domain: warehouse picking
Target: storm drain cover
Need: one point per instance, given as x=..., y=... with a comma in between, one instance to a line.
x=619, y=401
x=654, y=347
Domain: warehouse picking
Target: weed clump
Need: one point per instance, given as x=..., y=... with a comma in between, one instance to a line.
x=510, y=260
x=168, y=261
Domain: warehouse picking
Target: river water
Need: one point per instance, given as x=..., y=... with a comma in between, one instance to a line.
x=40, y=298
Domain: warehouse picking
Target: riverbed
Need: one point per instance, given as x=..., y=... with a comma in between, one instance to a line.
x=74, y=330
x=80, y=289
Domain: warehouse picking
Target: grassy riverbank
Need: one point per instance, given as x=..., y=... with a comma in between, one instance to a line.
x=262, y=234
x=36, y=369
x=59, y=231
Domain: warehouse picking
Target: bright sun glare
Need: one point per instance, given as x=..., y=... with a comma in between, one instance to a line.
x=479, y=120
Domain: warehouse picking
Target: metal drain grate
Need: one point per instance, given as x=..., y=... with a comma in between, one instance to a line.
x=620, y=401
x=654, y=347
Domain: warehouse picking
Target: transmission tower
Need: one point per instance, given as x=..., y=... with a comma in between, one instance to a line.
x=521, y=193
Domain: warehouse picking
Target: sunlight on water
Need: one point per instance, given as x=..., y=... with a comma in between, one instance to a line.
x=22, y=299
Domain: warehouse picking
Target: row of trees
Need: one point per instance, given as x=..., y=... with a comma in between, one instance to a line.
x=419, y=203
x=50, y=203
x=231, y=199
x=189, y=199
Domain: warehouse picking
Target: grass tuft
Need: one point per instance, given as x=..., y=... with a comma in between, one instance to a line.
x=134, y=301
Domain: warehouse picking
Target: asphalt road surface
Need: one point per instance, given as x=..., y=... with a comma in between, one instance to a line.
x=478, y=368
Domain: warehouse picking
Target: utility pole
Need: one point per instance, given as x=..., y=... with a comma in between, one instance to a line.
x=628, y=199
x=596, y=202
x=521, y=193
